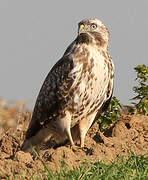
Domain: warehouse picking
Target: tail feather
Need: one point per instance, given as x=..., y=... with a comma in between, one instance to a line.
x=42, y=135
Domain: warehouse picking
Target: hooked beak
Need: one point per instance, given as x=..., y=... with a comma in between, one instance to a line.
x=82, y=29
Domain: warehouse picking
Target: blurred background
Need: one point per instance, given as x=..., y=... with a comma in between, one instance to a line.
x=35, y=33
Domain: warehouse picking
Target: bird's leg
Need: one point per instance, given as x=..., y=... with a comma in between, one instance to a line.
x=70, y=137
x=73, y=146
x=65, y=124
x=84, y=126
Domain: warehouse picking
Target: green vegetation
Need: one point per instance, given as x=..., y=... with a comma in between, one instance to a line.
x=111, y=115
x=131, y=168
x=141, y=89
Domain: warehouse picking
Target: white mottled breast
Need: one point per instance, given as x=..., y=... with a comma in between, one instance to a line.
x=91, y=80
x=100, y=70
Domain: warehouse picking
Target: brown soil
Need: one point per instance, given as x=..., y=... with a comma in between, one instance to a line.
x=129, y=135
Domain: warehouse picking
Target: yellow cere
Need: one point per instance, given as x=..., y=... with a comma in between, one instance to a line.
x=82, y=26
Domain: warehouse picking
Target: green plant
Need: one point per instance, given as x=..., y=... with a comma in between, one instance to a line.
x=133, y=167
x=141, y=89
x=111, y=115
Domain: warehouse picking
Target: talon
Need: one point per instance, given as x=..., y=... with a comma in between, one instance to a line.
x=75, y=148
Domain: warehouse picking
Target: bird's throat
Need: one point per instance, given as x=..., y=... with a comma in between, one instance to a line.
x=84, y=38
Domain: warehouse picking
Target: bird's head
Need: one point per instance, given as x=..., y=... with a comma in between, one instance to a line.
x=93, y=30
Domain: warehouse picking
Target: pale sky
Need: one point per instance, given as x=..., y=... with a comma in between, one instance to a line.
x=35, y=33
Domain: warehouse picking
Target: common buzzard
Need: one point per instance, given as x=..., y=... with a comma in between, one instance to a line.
x=78, y=86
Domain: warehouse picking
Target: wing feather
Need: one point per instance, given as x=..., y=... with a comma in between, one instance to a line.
x=50, y=96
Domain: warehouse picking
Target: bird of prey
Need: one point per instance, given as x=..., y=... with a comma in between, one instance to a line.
x=77, y=87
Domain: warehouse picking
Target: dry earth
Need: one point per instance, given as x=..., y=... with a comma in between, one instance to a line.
x=129, y=135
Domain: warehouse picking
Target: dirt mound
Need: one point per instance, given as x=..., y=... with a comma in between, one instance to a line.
x=129, y=135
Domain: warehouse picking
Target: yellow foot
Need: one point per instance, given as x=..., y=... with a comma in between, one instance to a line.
x=77, y=148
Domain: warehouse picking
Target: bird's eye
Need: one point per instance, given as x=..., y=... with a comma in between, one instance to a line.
x=93, y=26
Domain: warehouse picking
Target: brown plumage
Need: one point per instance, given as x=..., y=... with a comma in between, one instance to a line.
x=76, y=88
